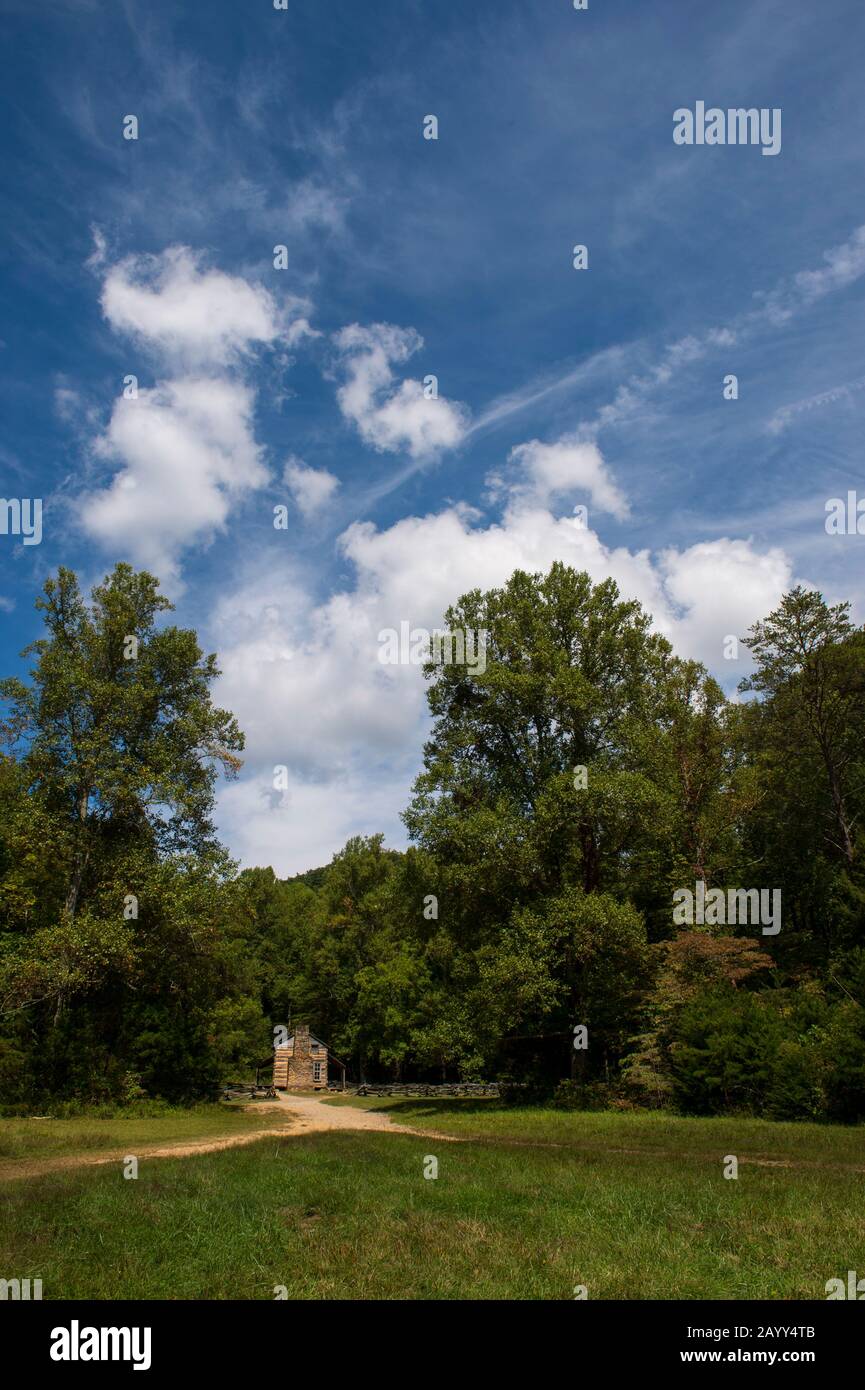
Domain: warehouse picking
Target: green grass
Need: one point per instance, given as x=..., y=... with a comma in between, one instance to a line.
x=633, y=1206
x=50, y=1138
x=643, y=1130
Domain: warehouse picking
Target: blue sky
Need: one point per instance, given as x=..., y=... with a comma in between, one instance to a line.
x=406, y=257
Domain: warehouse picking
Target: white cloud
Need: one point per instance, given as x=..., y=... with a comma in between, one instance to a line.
x=312, y=204
x=306, y=684
x=67, y=403
x=791, y=296
x=843, y=264
x=311, y=488
x=185, y=449
x=387, y=417
x=718, y=589
x=785, y=416
x=543, y=472
x=96, y=259
x=194, y=317
x=303, y=827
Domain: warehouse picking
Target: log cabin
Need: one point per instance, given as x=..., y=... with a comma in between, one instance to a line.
x=302, y=1064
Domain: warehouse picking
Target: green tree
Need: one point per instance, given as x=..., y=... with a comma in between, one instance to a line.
x=111, y=871
x=811, y=663
x=522, y=840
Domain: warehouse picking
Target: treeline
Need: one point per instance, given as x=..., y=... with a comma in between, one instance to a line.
x=568, y=790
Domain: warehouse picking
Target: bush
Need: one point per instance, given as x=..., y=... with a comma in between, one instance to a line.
x=786, y=1055
x=844, y=1069
x=16, y=1078
x=722, y=1056
x=795, y=1091
x=533, y=1092
x=582, y=1095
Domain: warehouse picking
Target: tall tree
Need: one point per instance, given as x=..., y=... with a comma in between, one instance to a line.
x=116, y=725
x=811, y=664
x=536, y=795
x=115, y=743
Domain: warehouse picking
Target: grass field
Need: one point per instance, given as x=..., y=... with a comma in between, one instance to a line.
x=645, y=1129
x=536, y=1202
x=49, y=1138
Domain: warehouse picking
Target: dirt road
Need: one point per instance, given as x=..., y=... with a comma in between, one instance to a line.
x=292, y=1115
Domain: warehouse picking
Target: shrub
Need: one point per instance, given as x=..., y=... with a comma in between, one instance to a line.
x=581, y=1095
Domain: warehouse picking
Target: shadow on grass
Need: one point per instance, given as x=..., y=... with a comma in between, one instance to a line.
x=428, y=1108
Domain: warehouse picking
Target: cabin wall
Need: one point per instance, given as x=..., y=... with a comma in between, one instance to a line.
x=281, y=1062
x=294, y=1066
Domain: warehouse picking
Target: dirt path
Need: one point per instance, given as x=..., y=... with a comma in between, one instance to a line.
x=297, y=1115
x=312, y=1116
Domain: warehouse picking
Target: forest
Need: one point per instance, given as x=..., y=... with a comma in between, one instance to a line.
x=569, y=790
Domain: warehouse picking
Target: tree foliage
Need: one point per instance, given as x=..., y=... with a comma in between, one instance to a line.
x=568, y=786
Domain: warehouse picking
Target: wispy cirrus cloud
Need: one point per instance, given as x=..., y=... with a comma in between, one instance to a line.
x=844, y=264
x=784, y=417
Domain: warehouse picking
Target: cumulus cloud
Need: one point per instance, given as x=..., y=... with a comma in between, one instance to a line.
x=542, y=472
x=192, y=316
x=718, y=589
x=185, y=450
x=303, y=827
x=311, y=488
x=388, y=417
x=306, y=683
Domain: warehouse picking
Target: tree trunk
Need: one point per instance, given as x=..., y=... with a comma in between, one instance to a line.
x=81, y=857
x=591, y=866
x=840, y=813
